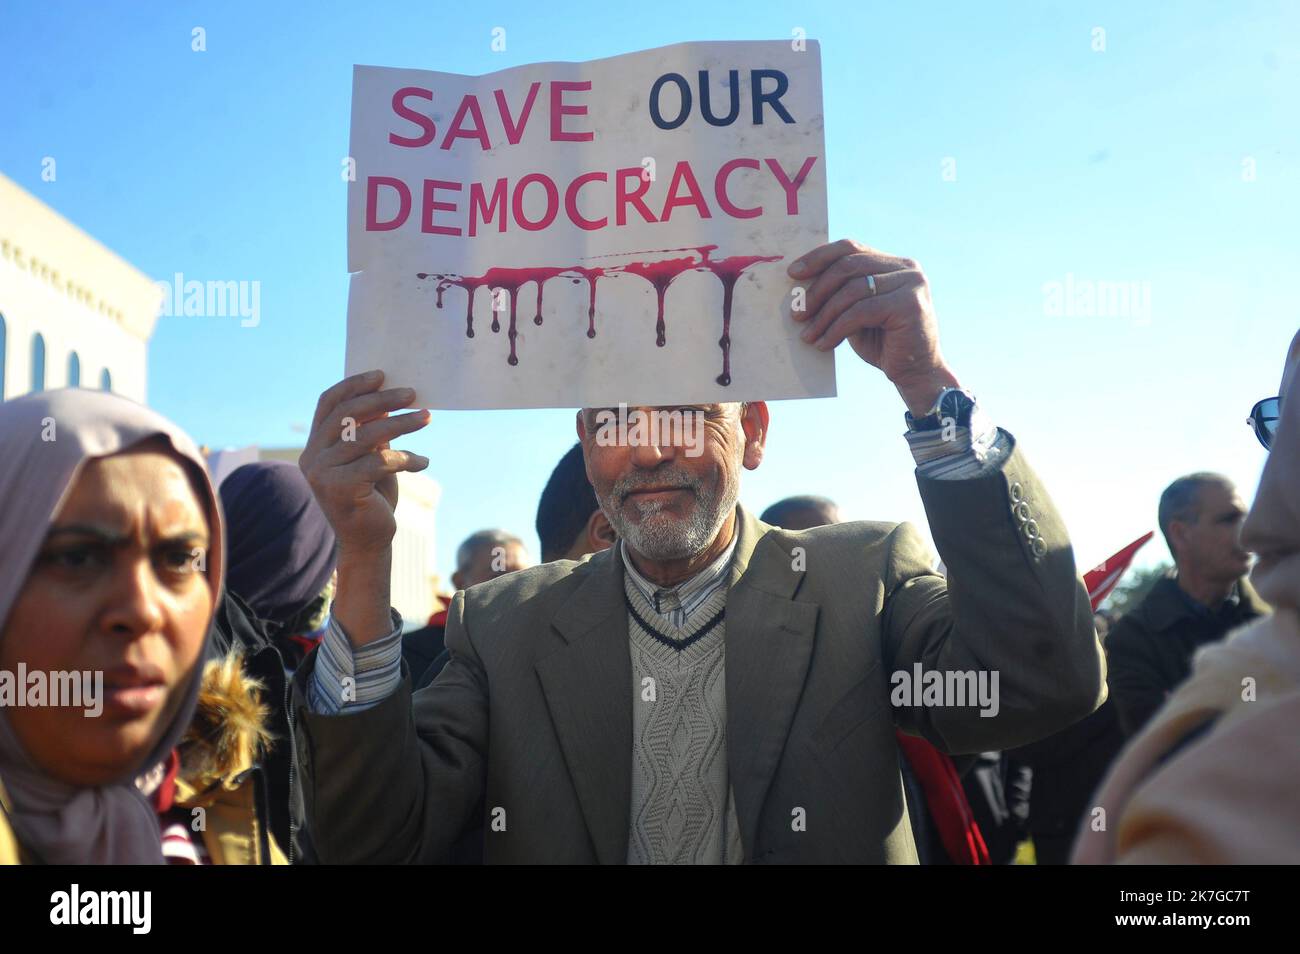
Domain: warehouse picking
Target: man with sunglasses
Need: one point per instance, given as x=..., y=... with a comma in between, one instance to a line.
x=1263, y=420
x=1212, y=779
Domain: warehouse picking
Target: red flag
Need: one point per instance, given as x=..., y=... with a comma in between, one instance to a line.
x=946, y=800
x=1100, y=580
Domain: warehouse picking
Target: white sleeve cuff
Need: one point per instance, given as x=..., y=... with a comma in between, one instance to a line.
x=959, y=453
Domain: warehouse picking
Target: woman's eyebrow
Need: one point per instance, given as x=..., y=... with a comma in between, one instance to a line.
x=113, y=538
x=86, y=530
x=185, y=536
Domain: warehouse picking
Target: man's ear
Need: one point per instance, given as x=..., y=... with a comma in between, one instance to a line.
x=582, y=425
x=1177, y=537
x=458, y=580
x=754, y=421
x=600, y=534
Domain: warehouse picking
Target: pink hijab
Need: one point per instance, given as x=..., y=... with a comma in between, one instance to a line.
x=56, y=822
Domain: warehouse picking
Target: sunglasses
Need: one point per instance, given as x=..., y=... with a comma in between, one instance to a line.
x=1263, y=420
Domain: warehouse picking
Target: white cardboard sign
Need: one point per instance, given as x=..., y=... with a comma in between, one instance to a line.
x=585, y=234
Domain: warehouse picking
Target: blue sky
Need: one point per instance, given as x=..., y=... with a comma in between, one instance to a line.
x=1130, y=164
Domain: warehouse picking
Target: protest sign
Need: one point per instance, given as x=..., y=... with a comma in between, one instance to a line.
x=585, y=234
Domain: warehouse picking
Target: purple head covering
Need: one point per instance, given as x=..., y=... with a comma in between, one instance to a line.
x=280, y=546
x=45, y=439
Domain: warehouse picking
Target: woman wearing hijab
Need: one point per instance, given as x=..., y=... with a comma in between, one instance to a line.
x=281, y=553
x=1213, y=779
x=280, y=563
x=111, y=561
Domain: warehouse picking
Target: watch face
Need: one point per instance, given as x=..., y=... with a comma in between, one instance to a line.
x=956, y=404
x=952, y=404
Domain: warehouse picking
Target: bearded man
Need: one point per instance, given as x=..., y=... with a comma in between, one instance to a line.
x=711, y=689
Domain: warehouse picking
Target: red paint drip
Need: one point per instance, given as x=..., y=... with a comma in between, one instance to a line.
x=592, y=275
x=660, y=273
x=540, y=276
x=729, y=271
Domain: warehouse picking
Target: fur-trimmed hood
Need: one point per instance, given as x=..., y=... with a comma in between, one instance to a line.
x=229, y=731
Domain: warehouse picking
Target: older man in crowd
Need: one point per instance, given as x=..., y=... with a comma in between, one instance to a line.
x=1150, y=649
x=712, y=689
x=483, y=555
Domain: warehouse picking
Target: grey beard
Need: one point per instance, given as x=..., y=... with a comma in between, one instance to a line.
x=662, y=536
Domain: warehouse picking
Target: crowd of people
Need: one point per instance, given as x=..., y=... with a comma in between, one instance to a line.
x=676, y=681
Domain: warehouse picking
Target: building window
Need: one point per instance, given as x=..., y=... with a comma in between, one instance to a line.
x=105, y=380
x=74, y=370
x=38, y=362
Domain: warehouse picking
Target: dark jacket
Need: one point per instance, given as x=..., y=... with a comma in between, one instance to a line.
x=235, y=626
x=420, y=648
x=530, y=723
x=1068, y=768
x=996, y=789
x=1149, y=651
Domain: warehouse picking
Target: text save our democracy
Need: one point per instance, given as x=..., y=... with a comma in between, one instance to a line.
x=503, y=202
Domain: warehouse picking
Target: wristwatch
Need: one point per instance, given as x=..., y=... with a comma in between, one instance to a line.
x=953, y=405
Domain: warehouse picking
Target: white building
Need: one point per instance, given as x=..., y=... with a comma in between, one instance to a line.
x=72, y=313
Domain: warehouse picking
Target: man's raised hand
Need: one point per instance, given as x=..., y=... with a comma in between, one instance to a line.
x=350, y=465
x=881, y=304
x=353, y=473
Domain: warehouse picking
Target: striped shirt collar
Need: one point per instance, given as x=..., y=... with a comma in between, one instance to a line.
x=678, y=602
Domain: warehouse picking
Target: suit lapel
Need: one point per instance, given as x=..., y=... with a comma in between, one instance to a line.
x=769, y=646
x=588, y=689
